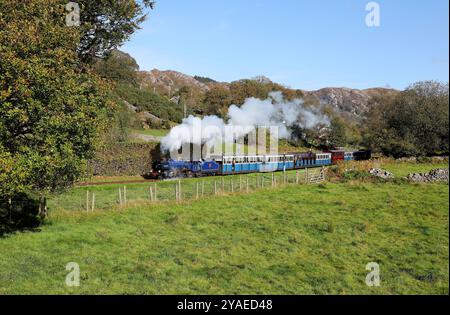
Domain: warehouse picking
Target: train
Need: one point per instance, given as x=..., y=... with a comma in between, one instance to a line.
x=230, y=165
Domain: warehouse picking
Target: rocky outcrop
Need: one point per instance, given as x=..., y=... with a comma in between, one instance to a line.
x=381, y=173
x=436, y=175
x=352, y=103
x=170, y=80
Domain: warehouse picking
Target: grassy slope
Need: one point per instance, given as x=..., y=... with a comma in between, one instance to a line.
x=152, y=132
x=295, y=240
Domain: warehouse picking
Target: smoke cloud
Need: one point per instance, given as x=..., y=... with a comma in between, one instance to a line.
x=272, y=112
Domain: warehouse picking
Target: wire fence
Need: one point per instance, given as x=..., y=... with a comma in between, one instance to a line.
x=94, y=198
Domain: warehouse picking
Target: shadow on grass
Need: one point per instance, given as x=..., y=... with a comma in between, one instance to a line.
x=21, y=213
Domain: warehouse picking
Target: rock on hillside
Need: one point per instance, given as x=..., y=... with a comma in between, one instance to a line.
x=170, y=80
x=349, y=102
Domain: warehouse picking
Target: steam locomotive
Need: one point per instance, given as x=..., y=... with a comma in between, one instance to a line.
x=228, y=165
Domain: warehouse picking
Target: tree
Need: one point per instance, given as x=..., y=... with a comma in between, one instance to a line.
x=51, y=105
x=107, y=24
x=338, y=132
x=217, y=100
x=413, y=123
x=118, y=67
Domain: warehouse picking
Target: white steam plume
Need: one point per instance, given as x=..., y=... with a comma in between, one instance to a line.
x=274, y=111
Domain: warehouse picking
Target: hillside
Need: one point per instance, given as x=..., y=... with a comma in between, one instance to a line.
x=351, y=103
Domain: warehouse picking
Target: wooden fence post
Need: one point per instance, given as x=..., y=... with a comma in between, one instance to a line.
x=151, y=193
x=42, y=207
x=232, y=185
x=93, y=202
x=203, y=188
x=87, y=200
x=296, y=177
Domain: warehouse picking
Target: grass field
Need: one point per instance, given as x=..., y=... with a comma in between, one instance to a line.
x=107, y=196
x=314, y=239
x=402, y=169
x=297, y=239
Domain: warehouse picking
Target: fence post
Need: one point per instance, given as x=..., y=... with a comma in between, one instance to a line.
x=42, y=207
x=307, y=175
x=223, y=185
x=179, y=190
x=155, y=194
x=87, y=200
x=232, y=185
x=176, y=191
x=151, y=192
x=93, y=202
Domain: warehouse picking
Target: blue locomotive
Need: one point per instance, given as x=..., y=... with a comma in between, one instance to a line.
x=228, y=165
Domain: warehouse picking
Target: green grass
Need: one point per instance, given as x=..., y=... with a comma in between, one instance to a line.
x=152, y=132
x=402, y=169
x=306, y=239
x=107, y=196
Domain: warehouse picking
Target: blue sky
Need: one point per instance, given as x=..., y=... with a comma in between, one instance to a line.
x=302, y=44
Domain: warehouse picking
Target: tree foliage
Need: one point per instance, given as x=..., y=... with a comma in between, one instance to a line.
x=107, y=24
x=413, y=123
x=51, y=105
x=118, y=67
